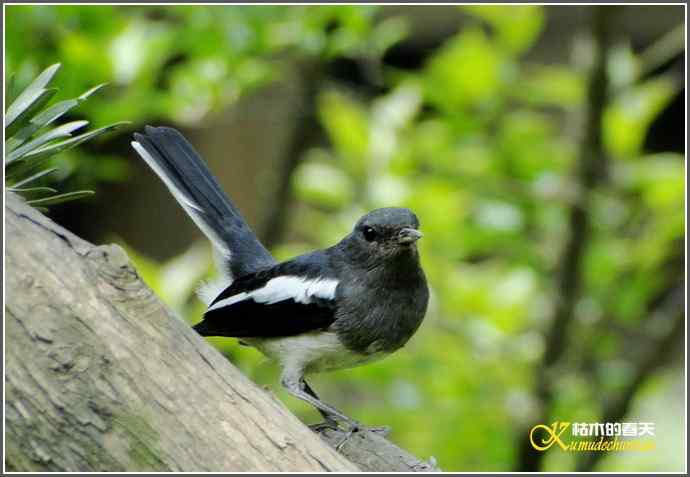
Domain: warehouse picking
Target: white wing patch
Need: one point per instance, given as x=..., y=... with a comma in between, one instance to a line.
x=301, y=290
x=191, y=207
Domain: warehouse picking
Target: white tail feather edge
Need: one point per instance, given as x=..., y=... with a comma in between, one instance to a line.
x=192, y=209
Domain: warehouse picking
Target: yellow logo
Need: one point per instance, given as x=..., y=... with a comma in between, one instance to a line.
x=608, y=437
x=553, y=434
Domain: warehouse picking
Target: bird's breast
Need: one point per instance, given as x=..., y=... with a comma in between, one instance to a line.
x=312, y=352
x=380, y=314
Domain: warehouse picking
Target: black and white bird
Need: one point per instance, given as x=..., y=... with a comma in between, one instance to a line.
x=355, y=302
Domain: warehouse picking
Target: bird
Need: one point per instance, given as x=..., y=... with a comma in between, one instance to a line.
x=343, y=306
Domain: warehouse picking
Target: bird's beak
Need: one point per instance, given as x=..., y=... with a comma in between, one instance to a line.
x=408, y=236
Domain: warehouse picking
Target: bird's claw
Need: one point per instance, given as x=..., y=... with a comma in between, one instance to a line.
x=382, y=430
x=352, y=427
x=357, y=427
x=327, y=424
x=344, y=439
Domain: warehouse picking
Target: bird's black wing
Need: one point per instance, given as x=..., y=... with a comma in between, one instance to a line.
x=289, y=299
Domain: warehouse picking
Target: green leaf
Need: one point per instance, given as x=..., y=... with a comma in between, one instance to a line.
x=64, y=130
x=517, y=27
x=627, y=120
x=659, y=178
x=84, y=96
x=52, y=113
x=387, y=33
x=34, y=177
x=550, y=85
x=46, y=117
x=466, y=71
x=26, y=110
x=10, y=86
x=58, y=147
x=35, y=90
x=50, y=190
x=19, y=169
x=43, y=118
x=31, y=160
x=57, y=199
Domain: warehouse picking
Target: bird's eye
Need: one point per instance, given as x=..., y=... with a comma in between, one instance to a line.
x=369, y=233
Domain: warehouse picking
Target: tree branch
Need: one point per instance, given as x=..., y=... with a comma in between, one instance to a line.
x=303, y=135
x=100, y=376
x=591, y=168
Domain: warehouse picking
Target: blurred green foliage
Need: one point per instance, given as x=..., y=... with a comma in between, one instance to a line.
x=179, y=63
x=481, y=143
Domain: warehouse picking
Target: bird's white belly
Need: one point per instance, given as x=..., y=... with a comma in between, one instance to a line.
x=311, y=352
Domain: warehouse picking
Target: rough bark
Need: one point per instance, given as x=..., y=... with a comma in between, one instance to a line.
x=100, y=376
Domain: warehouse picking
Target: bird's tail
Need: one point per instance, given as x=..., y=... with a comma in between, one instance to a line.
x=184, y=173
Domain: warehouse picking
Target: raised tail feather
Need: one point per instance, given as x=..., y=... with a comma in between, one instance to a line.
x=189, y=180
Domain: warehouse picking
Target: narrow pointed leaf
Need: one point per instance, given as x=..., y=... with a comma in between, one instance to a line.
x=29, y=107
x=44, y=78
x=34, y=177
x=89, y=92
x=46, y=117
x=50, y=114
x=31, y=92
x=42, y=119
x=64, y=130
x=19, y=169
x=14, y=142
x=29, y=190
x=32, y=160
x=27, y=149
x=57, y=199
x=9, y=89
x=55, y=148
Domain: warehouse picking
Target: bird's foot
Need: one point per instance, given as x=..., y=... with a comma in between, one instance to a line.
x=357, y=427
x=382, y=430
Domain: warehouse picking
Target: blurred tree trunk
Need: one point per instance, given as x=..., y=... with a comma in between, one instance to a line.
x=100, y=376
x=591, y=169
x=304, y=135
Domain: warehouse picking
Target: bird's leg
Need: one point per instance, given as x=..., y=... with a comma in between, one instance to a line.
x=329, y=422
x=298, y=388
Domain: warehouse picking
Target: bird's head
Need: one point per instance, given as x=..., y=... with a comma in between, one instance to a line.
x=384, y=233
